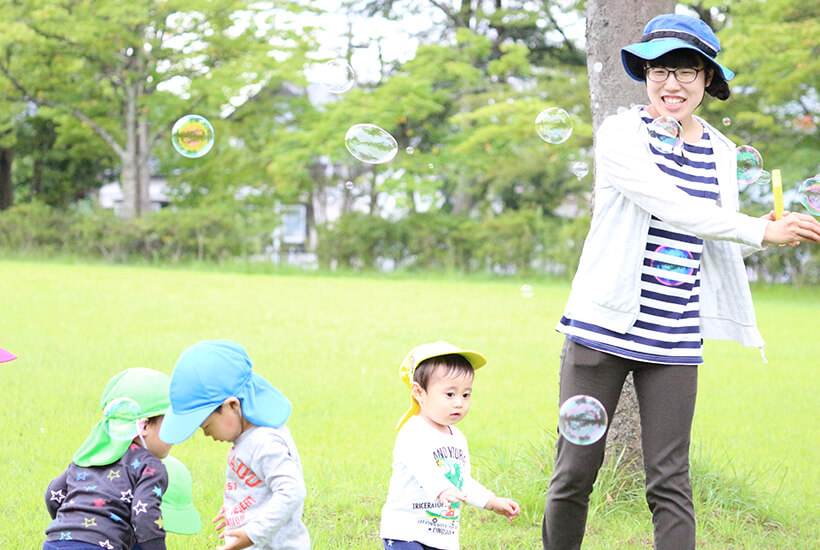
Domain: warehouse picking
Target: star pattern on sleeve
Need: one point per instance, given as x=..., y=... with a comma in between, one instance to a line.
x=100, y=502
x=157, y=491
x=149, y=471
x=89, y=522
x=90, y=488
x=65, y=535
x=135, y=463
x=127, y=496
x=115, y=517
x=57, y=496
x=106, y=544
x=113, y=474
x=81, y=476
x=140, y=507
x=160, y=523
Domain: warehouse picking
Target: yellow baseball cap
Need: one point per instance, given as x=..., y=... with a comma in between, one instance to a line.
x=426, y=351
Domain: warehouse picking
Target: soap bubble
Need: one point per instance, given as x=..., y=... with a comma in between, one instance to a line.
x=674, y=265
x=526, y=291
x=337, y=76
x=409, y=150
x=371, y=144
x=120, y=417
x=580, y=169
x=810, y=194
x=667, y=133
x=727, y=121
x=348, y=185
x=765, y=178
x=597, y=66
x=553, y=125
x=192, y=136
x=582, y=420
x=749, y=164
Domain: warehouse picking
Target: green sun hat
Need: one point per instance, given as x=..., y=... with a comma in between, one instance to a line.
x=178, y=512
x=129, y=396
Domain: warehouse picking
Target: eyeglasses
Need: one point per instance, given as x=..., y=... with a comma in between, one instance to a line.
x=660, y=74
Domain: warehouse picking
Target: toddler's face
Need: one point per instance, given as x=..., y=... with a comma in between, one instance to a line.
x=224, y=424
x=150, y=433
x=446, y=399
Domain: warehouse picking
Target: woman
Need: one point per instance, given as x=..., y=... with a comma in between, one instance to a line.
x=662, y=268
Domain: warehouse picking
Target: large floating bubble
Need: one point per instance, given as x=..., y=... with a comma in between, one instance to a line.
x=749, y=164
x=192, y=136
x=666, y=133
x=120, y=418
x=582, y=420
x=810, y=194
x=336, y=76
x=674, y=265
x=371, y=144
x=553, y=125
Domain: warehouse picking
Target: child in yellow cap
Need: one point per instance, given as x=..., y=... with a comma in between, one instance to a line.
x=431, y=461
x=109, y=496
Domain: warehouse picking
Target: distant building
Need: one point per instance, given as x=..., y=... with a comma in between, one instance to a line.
x=110, y=195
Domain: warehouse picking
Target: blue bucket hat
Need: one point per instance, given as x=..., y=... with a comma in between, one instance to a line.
x=208, y=373
x=670, y=32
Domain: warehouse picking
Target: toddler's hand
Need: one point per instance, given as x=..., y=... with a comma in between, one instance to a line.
x=220, y=516
x=235, y=539
x=451, y=495
x=504, y=506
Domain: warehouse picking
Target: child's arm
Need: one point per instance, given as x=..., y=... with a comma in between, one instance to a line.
x=146, y=518
x=56, y=493
x=503, y=506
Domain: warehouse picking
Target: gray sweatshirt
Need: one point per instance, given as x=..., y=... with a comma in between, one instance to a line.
x=265, y=490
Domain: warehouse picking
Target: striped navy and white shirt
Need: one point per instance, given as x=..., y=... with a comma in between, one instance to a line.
x=667, y=329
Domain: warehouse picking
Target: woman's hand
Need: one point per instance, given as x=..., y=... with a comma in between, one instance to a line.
x=793, y=228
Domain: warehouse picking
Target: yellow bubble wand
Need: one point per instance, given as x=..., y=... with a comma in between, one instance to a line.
x=777, y=189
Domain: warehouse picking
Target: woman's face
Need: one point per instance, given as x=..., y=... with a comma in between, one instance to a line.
x=674, y=98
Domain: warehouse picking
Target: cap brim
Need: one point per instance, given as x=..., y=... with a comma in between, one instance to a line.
x=177, y=427
x=184, y=522
x=631, y=56
x=6, y=356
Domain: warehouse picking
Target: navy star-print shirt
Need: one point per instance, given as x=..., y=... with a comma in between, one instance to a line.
x=113, y=506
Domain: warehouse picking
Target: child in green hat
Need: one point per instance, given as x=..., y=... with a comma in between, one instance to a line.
x=110, y=495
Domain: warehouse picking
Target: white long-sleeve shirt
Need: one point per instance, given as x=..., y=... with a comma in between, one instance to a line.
x=265, y=490
x=425, y=463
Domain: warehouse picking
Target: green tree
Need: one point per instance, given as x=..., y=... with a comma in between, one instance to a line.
x=128, y=70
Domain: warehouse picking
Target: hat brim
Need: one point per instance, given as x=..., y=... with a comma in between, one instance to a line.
x=179, y=426
x=634, y=55
x=6, y=356
x=100, y=449
x=185, y=521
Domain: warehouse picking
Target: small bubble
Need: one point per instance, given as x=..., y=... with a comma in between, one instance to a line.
x=749, y=164
x=348, y=185
x=727, y=121
x=337, y=76
x=192, y=136
x=666, y=133
x=810, y=194
x=597, y=66
x=580, y=169
x=409, y=150
x=526, y=291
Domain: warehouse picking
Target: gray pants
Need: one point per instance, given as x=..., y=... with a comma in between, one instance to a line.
x=666, y=397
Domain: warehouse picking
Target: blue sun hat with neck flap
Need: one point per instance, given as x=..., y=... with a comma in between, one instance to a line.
x=208, y=373
x=670, y=32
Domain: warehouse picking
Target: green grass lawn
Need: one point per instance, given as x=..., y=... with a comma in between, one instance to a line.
x=333, y=344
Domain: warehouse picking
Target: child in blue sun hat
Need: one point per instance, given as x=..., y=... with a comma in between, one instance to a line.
x=661, y=270
x=110, y=496
x=214, y=387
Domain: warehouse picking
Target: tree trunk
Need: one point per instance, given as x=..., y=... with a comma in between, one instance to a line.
x=612, y=24
x=6, y=185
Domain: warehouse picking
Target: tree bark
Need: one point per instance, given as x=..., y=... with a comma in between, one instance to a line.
x=6, y=184
x=611, y=25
